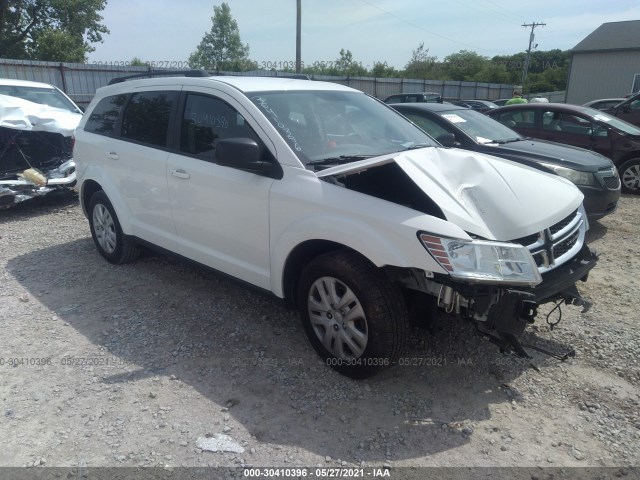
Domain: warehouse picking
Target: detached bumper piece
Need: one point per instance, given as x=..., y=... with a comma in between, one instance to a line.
x=516, y=309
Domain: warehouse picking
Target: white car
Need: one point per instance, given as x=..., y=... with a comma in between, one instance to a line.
x=37, y=121
x=332, y=201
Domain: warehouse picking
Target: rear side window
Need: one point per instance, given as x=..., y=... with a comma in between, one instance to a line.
x=103, y=118
x=206, y=120
x=146, y=118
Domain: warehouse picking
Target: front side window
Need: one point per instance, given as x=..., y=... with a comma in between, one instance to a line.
x=146, y=118
x=205, y=121
x=104, y=116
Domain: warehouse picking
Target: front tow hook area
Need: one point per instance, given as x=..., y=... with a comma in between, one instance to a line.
x=571, y=296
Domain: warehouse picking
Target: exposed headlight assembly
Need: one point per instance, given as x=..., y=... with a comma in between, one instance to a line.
x=574, y=176
x=479, y=261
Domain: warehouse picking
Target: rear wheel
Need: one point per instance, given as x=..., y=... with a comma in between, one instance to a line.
x=107, y=233
x=354, y=317
x=630, y=176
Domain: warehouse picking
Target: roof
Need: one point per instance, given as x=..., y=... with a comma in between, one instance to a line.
x=244, y=84
x=611, y=36
x=567, y=107
x=431, y=107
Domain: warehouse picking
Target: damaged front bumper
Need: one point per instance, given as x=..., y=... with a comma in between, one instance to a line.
x=516, y=308
x=502, y=313
x=18, y=189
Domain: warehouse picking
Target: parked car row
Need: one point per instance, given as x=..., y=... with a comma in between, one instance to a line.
x=594, y=174
x=341, y=206
x=332, y=201
x=582, y=127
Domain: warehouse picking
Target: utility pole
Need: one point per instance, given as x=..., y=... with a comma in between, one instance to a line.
x=299, y=37
x=526, y=62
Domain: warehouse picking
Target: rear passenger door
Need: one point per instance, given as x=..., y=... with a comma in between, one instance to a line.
x=576, y=130
x=221, y=213
x=132, y=142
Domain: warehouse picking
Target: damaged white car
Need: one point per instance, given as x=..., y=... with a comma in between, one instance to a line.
x=36, y=128
x=329, y=199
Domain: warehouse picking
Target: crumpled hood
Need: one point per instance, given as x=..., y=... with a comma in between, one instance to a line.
x=484, y=195
x=20, y=114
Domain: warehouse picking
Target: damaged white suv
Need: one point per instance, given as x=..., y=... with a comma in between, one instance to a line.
x=329, y=199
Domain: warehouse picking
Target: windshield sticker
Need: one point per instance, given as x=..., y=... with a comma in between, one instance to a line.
x=269, y=111
x=480, y=139
x=453, y=118
x=602, y=118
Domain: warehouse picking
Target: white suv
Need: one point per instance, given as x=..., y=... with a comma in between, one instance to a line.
x=331, y=200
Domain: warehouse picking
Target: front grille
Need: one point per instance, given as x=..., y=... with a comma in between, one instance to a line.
x=563, y=223
x=612, y=183
x=564, y=246
x=557, y=244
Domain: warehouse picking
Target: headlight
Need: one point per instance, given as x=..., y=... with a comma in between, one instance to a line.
x=482, y=261
x=574, y=176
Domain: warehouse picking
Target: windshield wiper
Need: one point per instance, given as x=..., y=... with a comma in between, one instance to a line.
x=502, y=142
x=418, y=145
x=338, y=160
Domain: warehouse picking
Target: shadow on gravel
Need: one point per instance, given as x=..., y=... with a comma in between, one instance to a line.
x=596, y=231
x=39, y=206
x=247, y=352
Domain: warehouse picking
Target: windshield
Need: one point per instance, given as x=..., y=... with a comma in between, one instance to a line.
x=480, y=127
x=333, y=127
x=614, y=122
x=45, y=96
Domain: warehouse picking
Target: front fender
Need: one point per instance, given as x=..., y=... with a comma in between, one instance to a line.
x=400, y=249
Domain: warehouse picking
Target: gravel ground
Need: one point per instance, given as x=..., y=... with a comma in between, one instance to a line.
x=136, y=365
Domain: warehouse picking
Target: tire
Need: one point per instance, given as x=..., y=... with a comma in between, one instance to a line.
x=107, y=233
x=354, y=317
x=630, y=176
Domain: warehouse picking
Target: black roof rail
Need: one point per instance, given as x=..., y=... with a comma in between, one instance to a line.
x=297, y=76
x=162, y=73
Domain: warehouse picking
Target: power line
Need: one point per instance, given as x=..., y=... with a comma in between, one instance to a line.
x=474, y=47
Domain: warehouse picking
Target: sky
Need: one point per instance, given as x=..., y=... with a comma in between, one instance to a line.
x=373, y=30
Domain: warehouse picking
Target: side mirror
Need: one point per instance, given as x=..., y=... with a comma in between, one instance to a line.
x=243, y=154
x=447, y=140
x=626, y=108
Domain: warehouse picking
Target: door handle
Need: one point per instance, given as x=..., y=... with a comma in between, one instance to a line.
x=112, y=156
x=180, y=174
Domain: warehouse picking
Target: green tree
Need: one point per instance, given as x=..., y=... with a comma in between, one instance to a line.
x=221, y=47
x=464, y=65
x=422, y=65
x=346, y=65
x=137, y=62
x=382, y=70
x=56, y=30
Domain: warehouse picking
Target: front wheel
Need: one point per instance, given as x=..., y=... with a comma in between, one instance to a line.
x=110, y=240
x=630, y=176
x=354, y=317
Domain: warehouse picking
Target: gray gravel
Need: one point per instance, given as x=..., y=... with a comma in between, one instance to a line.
x=130, y=365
